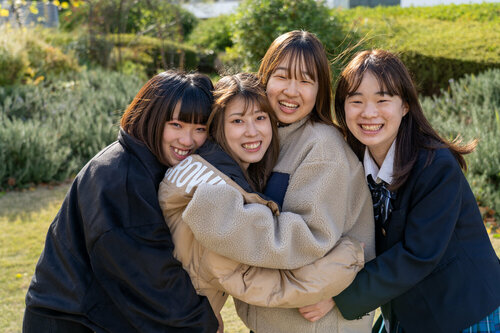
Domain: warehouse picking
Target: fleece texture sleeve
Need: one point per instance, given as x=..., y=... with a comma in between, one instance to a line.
x=254, y=285
x=286, y=288
x=325, y=198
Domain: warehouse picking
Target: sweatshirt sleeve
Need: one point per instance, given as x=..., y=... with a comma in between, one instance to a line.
x=429, y=225
x=316, y=213
x=286, y=288
x=133, y=260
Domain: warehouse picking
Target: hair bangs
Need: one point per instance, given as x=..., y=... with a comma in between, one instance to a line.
x=301, y=62
x=196, y=106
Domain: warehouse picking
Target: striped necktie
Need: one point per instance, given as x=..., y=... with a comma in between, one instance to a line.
x=382, y=200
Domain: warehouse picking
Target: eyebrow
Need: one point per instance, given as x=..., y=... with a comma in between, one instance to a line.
x=242, y=113
x=381, y=93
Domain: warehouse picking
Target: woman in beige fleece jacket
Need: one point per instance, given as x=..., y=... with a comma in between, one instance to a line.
x=243, y=126
x=325, y=195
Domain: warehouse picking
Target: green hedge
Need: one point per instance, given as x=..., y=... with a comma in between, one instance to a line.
x=471, y=108
x=437, y=43
x=51, y=130
x=258, y=23
x=485, y=12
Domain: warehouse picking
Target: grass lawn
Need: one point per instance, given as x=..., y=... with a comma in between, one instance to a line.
x=24, y=219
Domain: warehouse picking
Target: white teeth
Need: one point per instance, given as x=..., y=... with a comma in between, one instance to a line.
x=289, y=105
x=181, y=152
x=371, y=127
x=251, y=145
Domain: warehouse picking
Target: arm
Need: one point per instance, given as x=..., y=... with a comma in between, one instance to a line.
x=429, y=226
x=133, y=260
x=285, y=288
x=315, y=215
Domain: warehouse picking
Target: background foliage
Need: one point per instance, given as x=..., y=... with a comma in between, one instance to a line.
x=62, y=91
x=49, y=131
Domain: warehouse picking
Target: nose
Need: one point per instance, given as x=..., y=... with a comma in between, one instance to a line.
x=370, y=110
x=250, y=128
x=291, y=88
x=186, y=139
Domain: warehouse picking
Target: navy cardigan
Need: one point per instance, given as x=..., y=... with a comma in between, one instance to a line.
x=108, y=261
x=435, y=269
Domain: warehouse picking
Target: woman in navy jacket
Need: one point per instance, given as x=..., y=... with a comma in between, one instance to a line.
x=435, y=269
x=108, y=265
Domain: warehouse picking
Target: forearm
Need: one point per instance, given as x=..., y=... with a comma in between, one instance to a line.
x=250, y=234
x=287, y=288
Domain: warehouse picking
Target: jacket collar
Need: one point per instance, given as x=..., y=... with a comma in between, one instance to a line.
x=213, y=154
x=286, y=131
x=143, y=154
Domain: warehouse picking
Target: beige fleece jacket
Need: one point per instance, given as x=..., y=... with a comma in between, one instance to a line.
x=216, y=276
x=327, y=198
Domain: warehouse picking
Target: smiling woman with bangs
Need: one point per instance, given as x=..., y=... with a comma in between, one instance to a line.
x=108, y=263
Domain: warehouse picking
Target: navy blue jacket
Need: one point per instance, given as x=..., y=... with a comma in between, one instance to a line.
x=435, y=269
x=107, y=261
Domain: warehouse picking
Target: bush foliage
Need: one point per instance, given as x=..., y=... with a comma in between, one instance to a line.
x=213, y=34
x=258, y=23
x=471, y=108
x=50, y=131
x=24, y=57
x=437, y=43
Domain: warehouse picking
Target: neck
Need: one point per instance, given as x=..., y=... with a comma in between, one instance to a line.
x=378, y=157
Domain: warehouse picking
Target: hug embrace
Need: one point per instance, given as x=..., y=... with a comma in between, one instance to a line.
x=252, y=188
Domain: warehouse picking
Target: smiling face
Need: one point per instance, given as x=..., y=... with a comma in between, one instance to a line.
x=292, y=91
x=181, y=139
x=248, y=132
x=373, y=116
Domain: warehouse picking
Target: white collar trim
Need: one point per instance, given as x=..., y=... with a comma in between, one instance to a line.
x=386, y=171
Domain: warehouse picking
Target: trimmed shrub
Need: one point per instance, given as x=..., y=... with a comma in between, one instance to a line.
x=471, y=107
x=437, y=43
x=258, y=23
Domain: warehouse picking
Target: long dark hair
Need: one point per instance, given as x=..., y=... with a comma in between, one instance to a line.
x=247, y=87
x=301, y=46
x=154, y=105
x=415, y=131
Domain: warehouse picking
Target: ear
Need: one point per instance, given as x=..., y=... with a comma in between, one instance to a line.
x=406, y=108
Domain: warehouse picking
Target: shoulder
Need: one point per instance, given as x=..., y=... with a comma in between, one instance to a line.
x=114, y=170
x=327, y=143
x=111, y=160
x=434, y=161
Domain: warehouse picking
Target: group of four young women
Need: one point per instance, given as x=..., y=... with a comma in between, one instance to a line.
x=273, y=209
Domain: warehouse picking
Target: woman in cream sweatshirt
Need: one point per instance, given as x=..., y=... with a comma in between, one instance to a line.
x=318, y=181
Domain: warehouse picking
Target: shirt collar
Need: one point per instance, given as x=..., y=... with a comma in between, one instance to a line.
x=386, y=170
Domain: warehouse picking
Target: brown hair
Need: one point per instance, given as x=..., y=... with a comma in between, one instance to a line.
x=415, y=131
x=302, y=47
x=154, y=105
x=248, y=87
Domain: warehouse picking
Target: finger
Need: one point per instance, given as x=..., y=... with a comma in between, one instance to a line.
x=307, y=308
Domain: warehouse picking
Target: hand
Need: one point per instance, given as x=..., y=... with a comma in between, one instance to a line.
x=221, y=323
x=317, y=311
